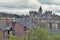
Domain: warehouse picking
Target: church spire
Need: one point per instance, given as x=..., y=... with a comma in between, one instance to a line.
x=40, y=9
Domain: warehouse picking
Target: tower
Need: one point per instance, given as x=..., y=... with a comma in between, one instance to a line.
x=40, y=10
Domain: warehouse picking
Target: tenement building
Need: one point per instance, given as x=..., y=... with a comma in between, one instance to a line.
x=46, y=19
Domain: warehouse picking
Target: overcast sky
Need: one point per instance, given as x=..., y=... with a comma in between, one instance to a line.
x=23, y=6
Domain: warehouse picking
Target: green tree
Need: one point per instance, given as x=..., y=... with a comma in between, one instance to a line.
x=36, y=33
x=55, y=37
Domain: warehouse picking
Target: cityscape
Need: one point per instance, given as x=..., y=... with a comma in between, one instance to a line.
x=30, y=20
x=18, y=24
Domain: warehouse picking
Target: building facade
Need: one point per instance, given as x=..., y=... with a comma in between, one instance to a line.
x=7, y=26
x=46, y=19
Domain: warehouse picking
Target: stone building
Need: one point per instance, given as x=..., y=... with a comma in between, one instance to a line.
x=46, y=19
x=9, y=26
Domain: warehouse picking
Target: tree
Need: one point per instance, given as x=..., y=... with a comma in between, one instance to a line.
x=36, y=33
x=55, y=37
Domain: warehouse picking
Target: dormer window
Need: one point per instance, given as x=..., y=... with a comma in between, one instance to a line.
x=11, y=31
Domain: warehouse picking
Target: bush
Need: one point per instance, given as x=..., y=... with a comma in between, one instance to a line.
x=12, y=37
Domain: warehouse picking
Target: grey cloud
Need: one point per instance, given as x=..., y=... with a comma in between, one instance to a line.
x=32, y=5
x=49, y=2
x=45, y=1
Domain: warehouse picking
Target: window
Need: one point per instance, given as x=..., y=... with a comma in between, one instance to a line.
x=50, y=25
x=58, y=26
x=11, y=32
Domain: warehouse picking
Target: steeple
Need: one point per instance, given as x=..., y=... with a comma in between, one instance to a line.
x=40, y=9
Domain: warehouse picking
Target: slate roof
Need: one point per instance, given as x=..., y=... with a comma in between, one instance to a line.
x=4, y=27
x=25, y=22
